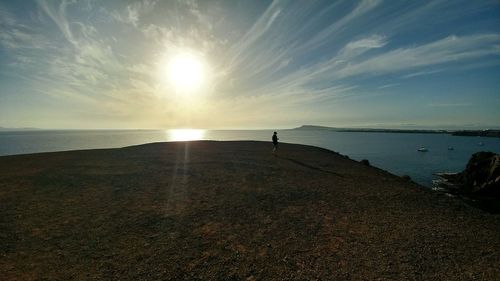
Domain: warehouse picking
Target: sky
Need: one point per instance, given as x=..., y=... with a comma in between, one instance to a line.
x=266, y=64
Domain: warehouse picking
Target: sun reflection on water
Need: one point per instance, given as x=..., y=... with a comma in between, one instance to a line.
x=185, y=134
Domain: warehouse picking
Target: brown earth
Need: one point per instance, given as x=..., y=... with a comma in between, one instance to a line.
x=231, y=211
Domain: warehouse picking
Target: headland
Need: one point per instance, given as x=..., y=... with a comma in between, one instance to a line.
x=210, y=210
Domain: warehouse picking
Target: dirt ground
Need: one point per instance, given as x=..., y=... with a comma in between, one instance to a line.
x=231, y=211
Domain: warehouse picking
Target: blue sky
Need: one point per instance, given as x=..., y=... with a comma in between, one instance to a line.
x=268, y=64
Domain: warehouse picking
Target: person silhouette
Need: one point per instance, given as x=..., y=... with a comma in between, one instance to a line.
x=275, y=142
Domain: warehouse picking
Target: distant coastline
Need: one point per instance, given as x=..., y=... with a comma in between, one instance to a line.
x=4, y=129
x=495, y=133
x=471, y=133
x=482, y=133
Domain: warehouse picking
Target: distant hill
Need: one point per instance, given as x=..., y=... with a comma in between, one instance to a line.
x=313, y=127
x=370, y=130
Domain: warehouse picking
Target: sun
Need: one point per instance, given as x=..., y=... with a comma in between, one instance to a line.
x=186, y=72
x=185, y=134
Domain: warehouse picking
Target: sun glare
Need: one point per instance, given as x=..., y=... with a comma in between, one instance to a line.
x=186, y=72
x=185, y=134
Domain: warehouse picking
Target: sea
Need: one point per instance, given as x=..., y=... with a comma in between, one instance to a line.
x=394, y=152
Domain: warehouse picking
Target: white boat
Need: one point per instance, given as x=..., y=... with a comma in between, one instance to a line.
x=422, y=149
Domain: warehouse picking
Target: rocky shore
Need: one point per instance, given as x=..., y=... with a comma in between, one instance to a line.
x=232, y=211
x=481, y=176
x=479, y=183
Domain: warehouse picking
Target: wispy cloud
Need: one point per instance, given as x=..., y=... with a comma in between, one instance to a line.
x=326, y=34
x=369, y=55
x=274, y=58
x=17, y=35
x=450, y=104
x=451, y=49
x=389, y=86
x=358, y=47
x=58, y=15
x=85, y=69
x=131, y=13
x=421, y=73
x=372, y=42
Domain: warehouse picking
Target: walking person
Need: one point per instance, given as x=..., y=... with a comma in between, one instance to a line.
x=275, y=142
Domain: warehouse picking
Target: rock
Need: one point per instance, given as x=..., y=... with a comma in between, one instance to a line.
x=365, y=162
x=406, y=177
x=481, y=175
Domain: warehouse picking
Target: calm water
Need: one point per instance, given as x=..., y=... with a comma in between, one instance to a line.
x=394, y=152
